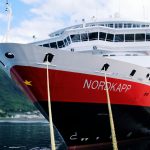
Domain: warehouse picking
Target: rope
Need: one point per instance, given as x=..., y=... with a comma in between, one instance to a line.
x=53, y=147
x=113, y=134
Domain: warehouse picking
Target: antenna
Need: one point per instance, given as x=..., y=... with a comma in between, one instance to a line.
x=9, y=15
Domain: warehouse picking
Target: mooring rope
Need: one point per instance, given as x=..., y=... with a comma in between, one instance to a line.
x=113, y=134
x=52, y=137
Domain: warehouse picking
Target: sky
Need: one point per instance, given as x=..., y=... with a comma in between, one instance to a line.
x=40, y=17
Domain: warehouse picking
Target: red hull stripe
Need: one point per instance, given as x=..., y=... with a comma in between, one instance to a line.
x=77, y=87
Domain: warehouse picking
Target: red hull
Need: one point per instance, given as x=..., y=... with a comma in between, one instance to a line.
x=78, y=87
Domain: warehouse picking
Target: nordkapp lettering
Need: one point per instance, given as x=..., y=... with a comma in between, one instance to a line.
x=101, y=85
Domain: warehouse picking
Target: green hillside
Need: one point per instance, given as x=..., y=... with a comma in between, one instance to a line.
x=12, y=100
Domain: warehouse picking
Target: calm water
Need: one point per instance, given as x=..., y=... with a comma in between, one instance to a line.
x=35, y=136
x=19, y=135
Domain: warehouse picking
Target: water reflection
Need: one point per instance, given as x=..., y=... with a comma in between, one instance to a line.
x=26, y=135
x=35, y=136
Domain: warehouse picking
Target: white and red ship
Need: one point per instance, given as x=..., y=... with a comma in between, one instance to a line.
x=79, y=57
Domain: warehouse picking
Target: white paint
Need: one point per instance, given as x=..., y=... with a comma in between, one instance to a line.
x=73, y=137
x=100, y=85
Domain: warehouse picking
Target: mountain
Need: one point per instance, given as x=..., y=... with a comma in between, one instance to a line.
x=12, y=99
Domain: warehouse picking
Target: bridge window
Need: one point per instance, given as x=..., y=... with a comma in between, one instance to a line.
x=135, y=25
x=127, y=25
x=110, y=37
x=84, y=37
x=46, y=45
x=143, y=25
x=119, y=38
x=75, y=37
x=118, y=25
x=147, y=36
x=53, y=45
x=66, y=42
x=129, y=37
x=110, y=25
x=140, y=37
x=60, y=44
x=102, y=36
x=101, y=24
x=93, y=36
x=68, y=39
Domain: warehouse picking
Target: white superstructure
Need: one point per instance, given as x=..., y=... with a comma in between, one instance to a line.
x=115, y=39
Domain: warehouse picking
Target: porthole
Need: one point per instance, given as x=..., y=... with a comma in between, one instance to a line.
x=9, y=55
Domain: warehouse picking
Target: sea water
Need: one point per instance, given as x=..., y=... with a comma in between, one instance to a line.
x=26, y=135
x=34, y=135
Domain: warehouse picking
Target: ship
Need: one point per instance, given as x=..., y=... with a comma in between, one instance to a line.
x=79, y=59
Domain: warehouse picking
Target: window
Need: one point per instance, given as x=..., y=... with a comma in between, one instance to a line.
x=46, y=45
x=134, y=25
x=140, y=37
x=75, y=37
x=84, y=37
x=118, y=25
x=60, y=44
x=68, y=39
x=101, y=24
x=129, y=37
x=102, y=36
x=127, y=25
x=93, y=36
x=110, y=37
x=110, y=25
x=65, y=42
x=53, y=45
x=119, y=38
x=147, y=36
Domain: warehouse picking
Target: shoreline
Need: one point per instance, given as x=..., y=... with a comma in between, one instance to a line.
x=23, y=120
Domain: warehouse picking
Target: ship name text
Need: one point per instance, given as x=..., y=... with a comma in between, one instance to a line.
x=101, y=85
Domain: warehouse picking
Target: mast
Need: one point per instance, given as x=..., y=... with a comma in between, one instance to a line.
x=9, y=15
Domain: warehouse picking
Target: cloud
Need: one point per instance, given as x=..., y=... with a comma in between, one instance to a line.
x=3, y=17
x=51, y=15
x=30, y=1
x=38, y=27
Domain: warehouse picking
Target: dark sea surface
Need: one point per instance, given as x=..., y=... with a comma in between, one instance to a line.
x=26, y=135
x=34, y=135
